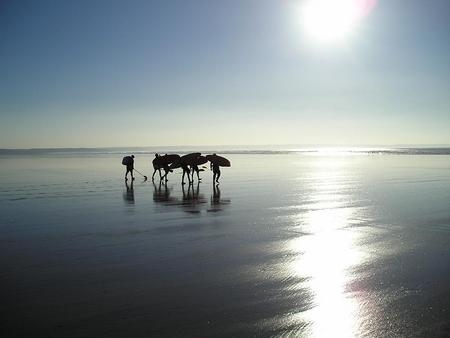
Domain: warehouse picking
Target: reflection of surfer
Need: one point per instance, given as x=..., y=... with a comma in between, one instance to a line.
x=217, y=203
x=215, y=199
x=128, y=196
x=156, y=167
x=160, y=194
x=186, y=197
x=192, y=195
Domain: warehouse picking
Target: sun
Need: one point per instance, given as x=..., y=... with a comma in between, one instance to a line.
x=333, y=20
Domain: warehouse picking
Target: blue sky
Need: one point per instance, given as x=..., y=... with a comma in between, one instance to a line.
x=145, y=73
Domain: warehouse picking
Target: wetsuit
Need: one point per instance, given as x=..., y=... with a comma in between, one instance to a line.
x=156, y=168
x=187, y=171
x=216, y=172
x=130, y=166
x=197, y=170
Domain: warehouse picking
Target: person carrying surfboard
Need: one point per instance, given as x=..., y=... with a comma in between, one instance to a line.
x=216, y=171
x=186, y=171
x=128, y=161
x=156, y=167
x=166, y=169
x=217, y=162
x=195, y=169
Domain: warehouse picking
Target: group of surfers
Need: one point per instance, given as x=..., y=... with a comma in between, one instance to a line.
x=188, y=169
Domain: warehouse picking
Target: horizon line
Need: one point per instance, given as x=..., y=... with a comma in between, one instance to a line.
x=408, y=145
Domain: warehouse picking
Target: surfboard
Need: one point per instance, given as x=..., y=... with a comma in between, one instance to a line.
x=200, y=160
x=190, y=159
x=166, y=159
x=175, y=165
x=219, y=160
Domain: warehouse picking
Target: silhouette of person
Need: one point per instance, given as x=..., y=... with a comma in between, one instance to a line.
x=129, y=162
x=196, y=170
x=186, y=171
x=216, y=171
x=167, y=170
x=156, y=167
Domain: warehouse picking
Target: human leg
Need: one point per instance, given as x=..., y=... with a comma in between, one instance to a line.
x=218, y=175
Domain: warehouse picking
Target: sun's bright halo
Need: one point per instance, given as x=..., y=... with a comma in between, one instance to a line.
x=332, y=20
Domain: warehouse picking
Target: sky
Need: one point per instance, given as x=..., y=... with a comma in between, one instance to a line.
x=92, y=73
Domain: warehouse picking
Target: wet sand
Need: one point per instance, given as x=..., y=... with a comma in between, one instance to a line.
x=287, y=245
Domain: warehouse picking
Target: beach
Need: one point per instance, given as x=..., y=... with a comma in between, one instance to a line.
x=309, y=244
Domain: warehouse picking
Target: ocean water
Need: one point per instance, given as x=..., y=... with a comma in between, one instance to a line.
x=290, y=244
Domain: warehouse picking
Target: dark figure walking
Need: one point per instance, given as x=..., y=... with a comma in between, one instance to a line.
x=156, y=167
x=128, y=161
x=186, y=171
x=195, y=169
x=216, y=172
x=167, y=170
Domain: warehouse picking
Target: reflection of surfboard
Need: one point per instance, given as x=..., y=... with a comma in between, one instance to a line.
x=219, y=160
x=166, y=159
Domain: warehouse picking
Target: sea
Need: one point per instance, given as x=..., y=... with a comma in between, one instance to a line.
x=293, y=242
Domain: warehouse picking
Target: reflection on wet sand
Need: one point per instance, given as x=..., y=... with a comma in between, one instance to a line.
x=357, y=248
x=326, y=254
x=217, y=203
x=192, y=199
x=161, y=193
x=128, y=194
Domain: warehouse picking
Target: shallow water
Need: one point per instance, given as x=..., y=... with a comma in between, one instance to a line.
x=288, y=245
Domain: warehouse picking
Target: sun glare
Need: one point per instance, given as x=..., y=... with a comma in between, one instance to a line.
x=333, y=20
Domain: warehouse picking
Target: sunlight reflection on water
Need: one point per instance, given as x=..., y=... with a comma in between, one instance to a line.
x=310, y=246
x=327, y=253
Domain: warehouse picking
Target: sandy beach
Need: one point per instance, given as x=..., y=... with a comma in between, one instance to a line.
x=288, y=245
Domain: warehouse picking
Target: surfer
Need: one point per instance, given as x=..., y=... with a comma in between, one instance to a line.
x=186, y=171
x=196, y=170
x=216, y=171
x=167, y=170
x=128, y=161
x=156, y=167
